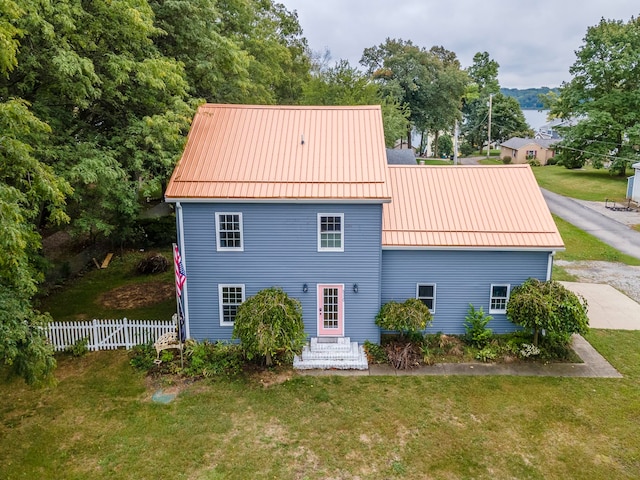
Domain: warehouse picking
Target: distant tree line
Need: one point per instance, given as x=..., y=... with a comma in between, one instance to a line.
x=529, y=98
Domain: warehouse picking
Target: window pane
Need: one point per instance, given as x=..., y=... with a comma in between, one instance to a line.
x=425, y=291
x=499, y=291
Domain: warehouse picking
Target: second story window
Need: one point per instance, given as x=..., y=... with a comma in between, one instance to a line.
x=330, y=232
x=229, y=231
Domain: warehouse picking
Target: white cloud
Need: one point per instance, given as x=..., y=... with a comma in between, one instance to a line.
x=534, y=42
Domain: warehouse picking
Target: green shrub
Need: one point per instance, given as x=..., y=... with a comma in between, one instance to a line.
x=534, y=162
x=506, y=159
x=269, y=325
x=375, y=352
x=548, y=306
x=408, y=318
x=475, y=325
x=466, y=149
x=487, y=354
x=552, y=161
x=142, y=357
x=78, y=349
x=209, y=359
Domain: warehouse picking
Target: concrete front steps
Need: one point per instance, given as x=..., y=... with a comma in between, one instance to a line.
x=331, y=353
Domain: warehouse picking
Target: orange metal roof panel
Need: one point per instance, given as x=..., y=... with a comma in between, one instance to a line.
x=467, y=206
x=258, y=152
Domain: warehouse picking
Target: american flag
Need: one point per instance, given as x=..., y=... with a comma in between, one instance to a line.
x=181, y=276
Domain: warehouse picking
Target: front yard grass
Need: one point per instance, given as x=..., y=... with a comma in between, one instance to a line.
x=99, y=422
x=586, y=183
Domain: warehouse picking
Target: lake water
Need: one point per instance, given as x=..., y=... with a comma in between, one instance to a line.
x=536, y=118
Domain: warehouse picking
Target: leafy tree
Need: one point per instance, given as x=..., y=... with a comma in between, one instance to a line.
x=343, y=84
x=603, y=98
x=445, y=145
x=269, y=324
x=429, y=82
x=548, y=306
x=484, y=77
x=410, y=317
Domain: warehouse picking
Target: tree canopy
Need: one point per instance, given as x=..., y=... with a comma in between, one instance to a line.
x=603, y=98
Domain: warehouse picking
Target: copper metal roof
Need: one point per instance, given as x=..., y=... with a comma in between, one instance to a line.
x=467, y=206
x=281, y=152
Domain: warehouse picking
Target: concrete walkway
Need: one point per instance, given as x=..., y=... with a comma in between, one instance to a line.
x=608, y=307
x=598, y=223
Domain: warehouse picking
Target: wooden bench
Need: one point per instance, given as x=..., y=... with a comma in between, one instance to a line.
x=167, y=341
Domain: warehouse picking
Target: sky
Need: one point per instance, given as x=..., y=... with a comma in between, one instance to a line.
x=533, y=41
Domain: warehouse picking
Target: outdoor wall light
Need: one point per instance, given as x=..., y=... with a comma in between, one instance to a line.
x=355, y=288
x=305, y=288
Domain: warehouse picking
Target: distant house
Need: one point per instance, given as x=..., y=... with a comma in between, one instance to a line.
x=549, y=131
x=522, y=150
x=303, y=198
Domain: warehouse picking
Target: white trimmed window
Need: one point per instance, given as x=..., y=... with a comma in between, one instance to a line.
x=229, y=231
x=427, y=293
x=229, y=297
x=331, y=232
x=499, y=297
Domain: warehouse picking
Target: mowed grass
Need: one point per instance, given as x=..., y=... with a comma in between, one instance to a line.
x=99, y=422
x=586, y=183
x=81, y=298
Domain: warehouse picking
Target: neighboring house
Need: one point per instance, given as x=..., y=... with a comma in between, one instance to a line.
x=302, y=198
x=549, y=131
x=523, y=150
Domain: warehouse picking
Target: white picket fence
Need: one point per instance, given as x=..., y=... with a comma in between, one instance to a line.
x=107, y=334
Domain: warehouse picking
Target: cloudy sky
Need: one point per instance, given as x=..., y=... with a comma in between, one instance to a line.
x=533, y=41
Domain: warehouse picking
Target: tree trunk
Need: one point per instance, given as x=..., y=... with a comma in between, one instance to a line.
x=535, y=337
x=409, y=137
x=435, y=144
x=269, y=360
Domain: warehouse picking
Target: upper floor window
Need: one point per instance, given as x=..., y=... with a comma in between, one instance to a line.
x=331, y=232
x=229, y=231
x=427, y=293
x=499, y=297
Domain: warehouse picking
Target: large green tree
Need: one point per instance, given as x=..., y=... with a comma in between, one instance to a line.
x=429, y=82
x=343, y=84
x=30, y=194
x=603, y=98
x=507, y=119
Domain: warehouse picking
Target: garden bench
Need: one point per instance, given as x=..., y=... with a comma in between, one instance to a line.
x=167, y=341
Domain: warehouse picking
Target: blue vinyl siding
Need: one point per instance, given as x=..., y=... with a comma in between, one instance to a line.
x=462, y=277
x=280, y=249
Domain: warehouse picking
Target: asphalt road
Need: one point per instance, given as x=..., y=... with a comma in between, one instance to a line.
x=610, y=231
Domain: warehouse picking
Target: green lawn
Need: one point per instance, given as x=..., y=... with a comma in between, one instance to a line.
x=99, y=422
x=584, y=184
x=82, y=298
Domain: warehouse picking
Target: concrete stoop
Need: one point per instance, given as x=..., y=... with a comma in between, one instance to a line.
x=331, y=353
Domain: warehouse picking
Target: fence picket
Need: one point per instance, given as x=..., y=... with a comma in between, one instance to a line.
x=107, y=334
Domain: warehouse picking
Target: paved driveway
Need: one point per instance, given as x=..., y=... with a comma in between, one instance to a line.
x=608, y=307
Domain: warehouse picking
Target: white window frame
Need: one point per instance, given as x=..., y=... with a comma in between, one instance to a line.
x=433, y=299
x=221, y=304
x=491, y=297
x=331, y=249
x=229, y=249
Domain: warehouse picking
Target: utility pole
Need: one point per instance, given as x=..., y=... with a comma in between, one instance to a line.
x=455, y=143
x=489, y=129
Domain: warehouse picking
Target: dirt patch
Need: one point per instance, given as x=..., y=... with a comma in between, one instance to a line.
x=137, y=295
x=268, y=378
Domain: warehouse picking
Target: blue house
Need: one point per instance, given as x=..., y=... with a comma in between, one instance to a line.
x=303, y=198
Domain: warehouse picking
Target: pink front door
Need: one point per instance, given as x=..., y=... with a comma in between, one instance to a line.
x=330, y=310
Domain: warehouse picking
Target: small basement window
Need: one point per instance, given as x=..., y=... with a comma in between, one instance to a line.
x=499, y=297
x=427, y=293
